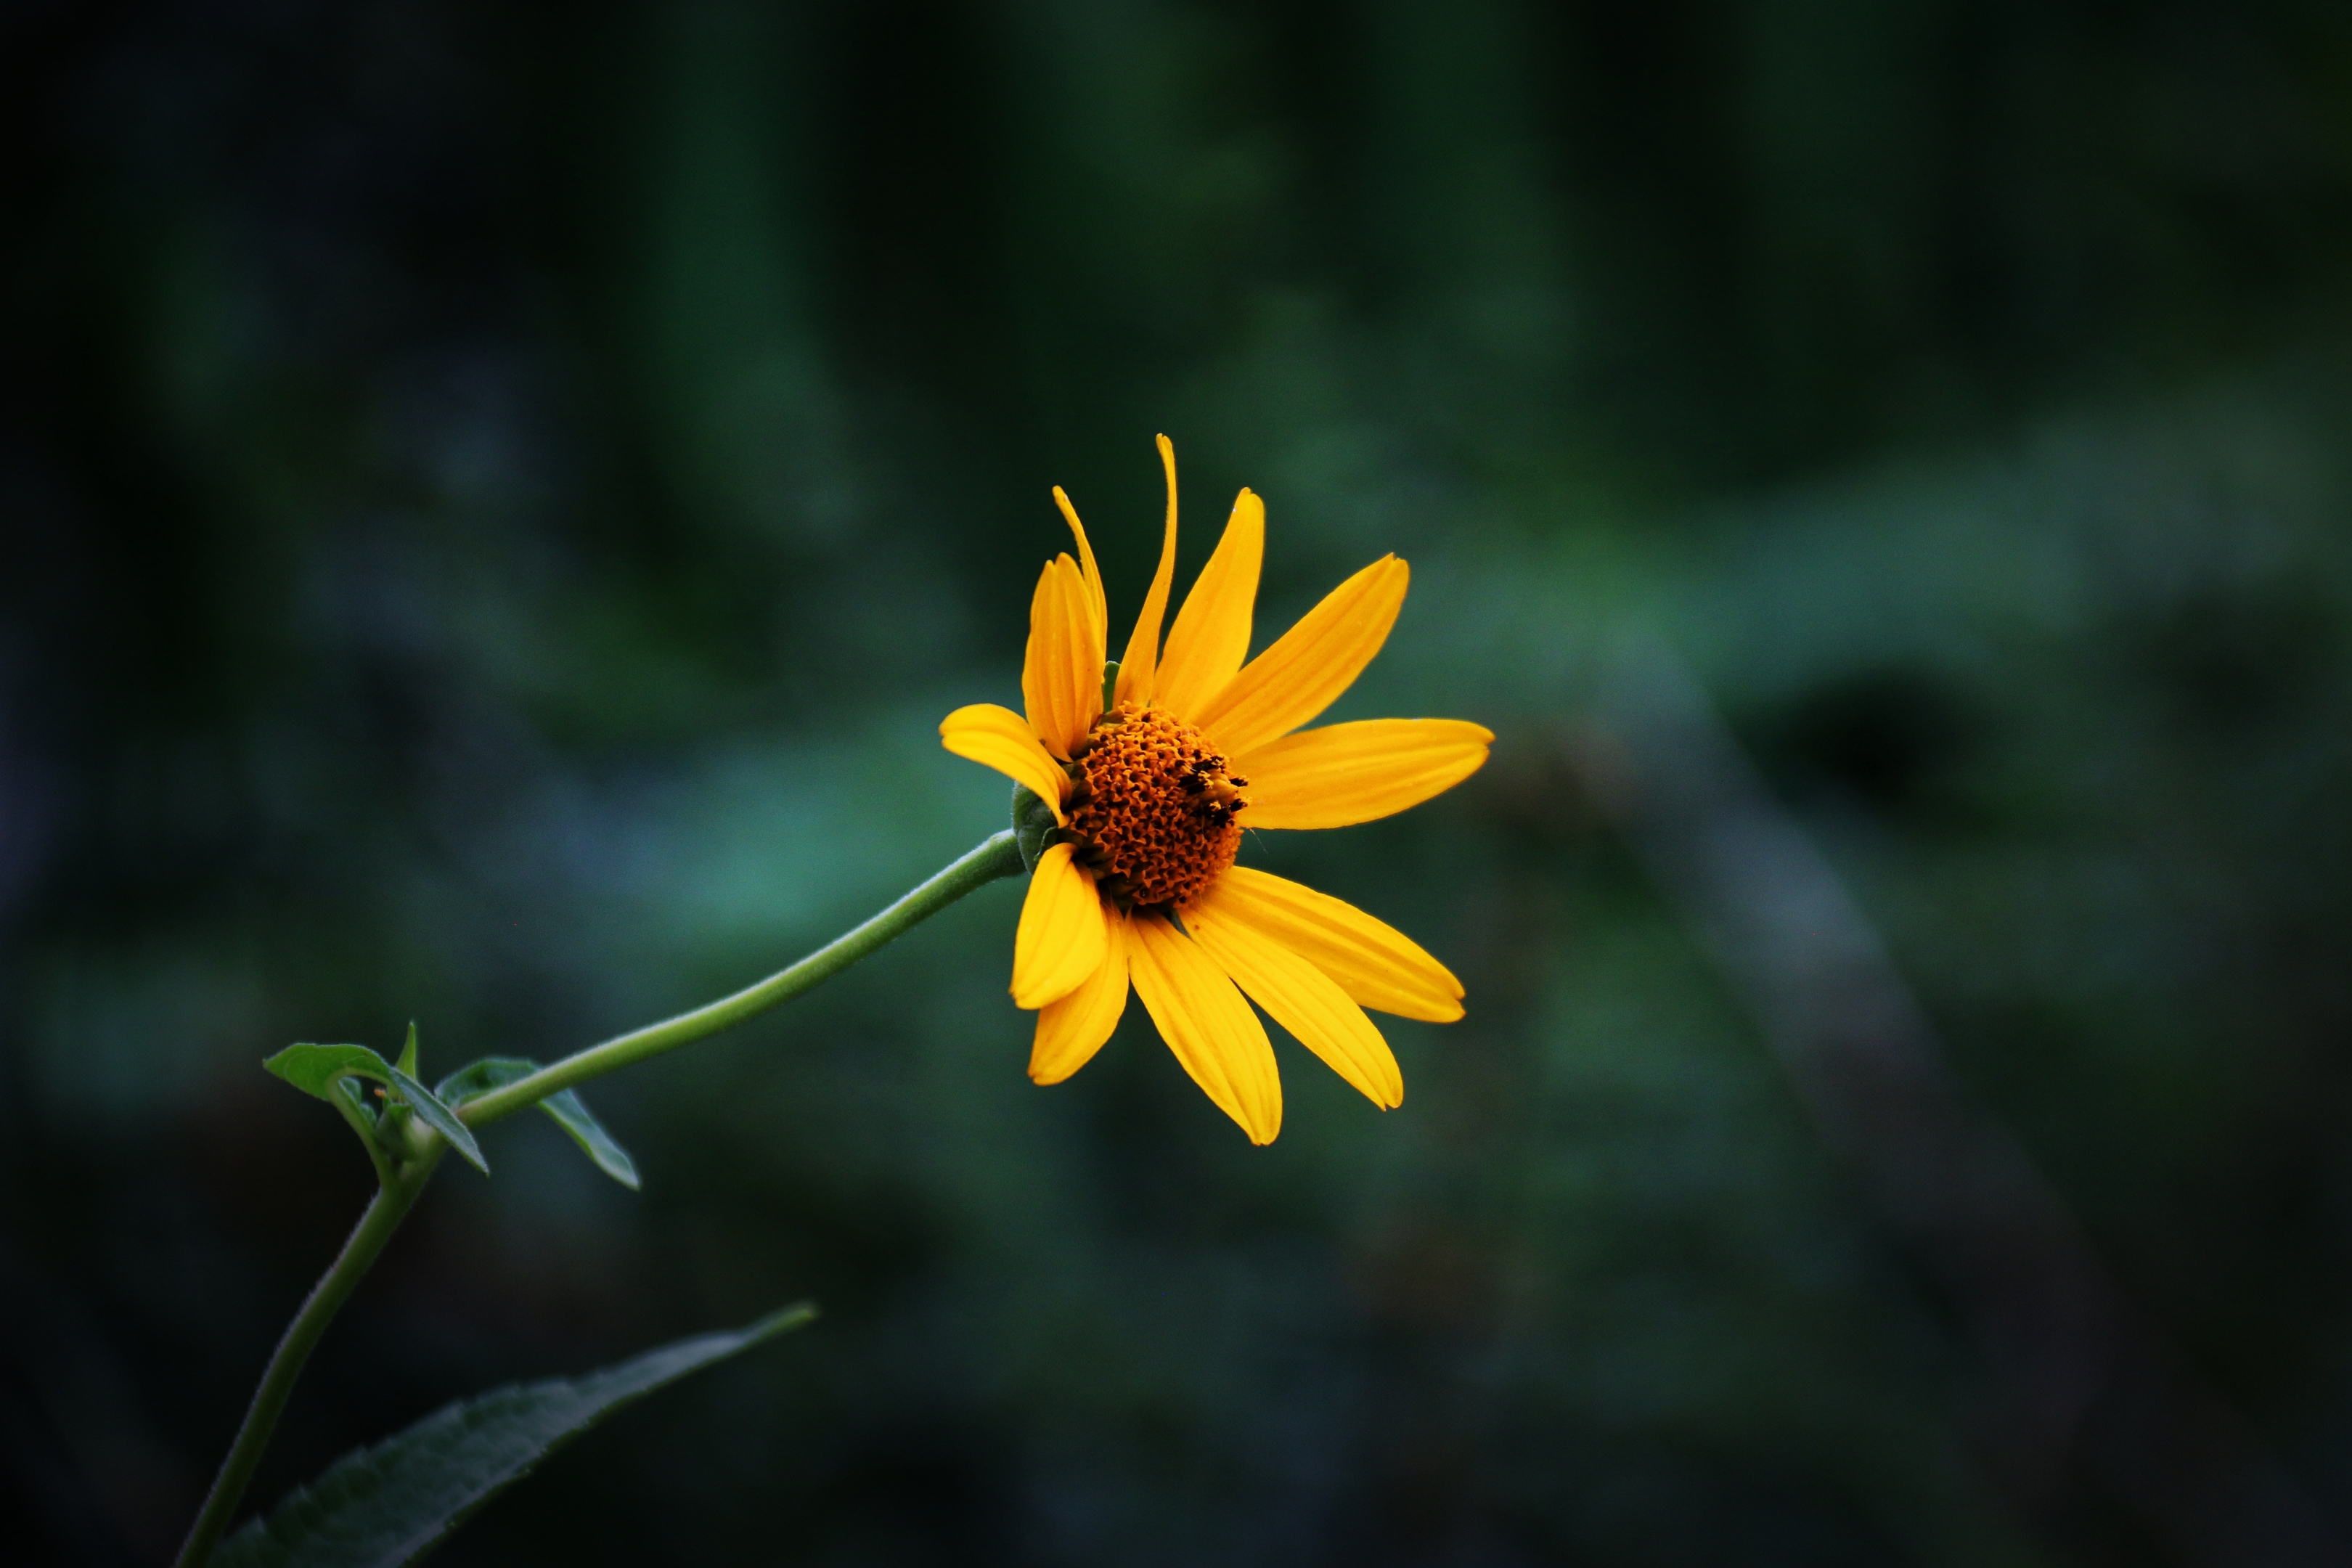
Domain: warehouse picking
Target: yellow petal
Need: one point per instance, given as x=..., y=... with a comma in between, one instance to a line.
x=1306, y=669
x=1343, y=773
x=1088, y=572
x=1082, y=605
x=1205, y=1022
x=1070, y=1032
x=999, y=738
x=1061, y=678
x=1041, y=686
x=1213, y=630
x=1086, y=660
x=1139, y=667
x=1379, y=966
x=1305, y=1001
x=1060, y=939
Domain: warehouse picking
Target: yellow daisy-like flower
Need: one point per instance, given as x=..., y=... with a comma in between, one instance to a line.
x=1151, y=783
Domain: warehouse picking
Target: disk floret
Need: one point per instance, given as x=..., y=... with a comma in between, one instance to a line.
x=1156, y=814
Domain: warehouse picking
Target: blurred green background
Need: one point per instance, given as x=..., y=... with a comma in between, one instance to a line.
x=496, y=499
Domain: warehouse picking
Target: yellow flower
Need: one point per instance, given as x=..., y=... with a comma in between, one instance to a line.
x=1137, y=884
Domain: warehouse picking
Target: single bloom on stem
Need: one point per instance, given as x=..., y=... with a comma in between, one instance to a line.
x=1151, y=782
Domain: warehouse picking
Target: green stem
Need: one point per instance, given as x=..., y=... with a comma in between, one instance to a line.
x=385, y=1213
x=996, y=856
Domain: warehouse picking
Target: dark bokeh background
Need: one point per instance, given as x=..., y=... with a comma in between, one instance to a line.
x=494, y=502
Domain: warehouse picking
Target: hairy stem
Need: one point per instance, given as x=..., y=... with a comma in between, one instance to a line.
x=996, y=856
x=384, y=1212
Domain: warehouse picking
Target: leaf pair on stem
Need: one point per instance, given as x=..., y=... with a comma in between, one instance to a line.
x=335, y=1073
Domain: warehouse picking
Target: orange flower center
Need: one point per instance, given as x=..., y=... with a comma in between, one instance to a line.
x=1157, y=813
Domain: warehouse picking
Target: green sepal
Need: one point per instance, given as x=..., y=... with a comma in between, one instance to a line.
x=386, y=1506
x=407, y=1062
x=321, y=1071
x=565, y=1108
x=1033, y=825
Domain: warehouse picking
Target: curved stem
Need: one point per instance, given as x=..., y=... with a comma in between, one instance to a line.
x=997, y=856
x=384, y=1212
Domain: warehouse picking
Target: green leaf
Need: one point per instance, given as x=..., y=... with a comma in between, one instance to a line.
x=327, y=1071
x=407, y=1062
x=565, y=1108
x=317, y=1069
x=390, y=1504
x=322, y=1069
x=570, y=1114
x=431, y=1112
x=346, y=1097
x=477, y=1079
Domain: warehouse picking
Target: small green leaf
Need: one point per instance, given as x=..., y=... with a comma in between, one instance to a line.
x=565, y=1108
x=477, y=1079
x=440, y=1118
x=327, y=1071
x=388, y=1505
x=317, y=1069
x=322, y=1070
x=348, y=1096
x=1033, y=825
x=407, y=1062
